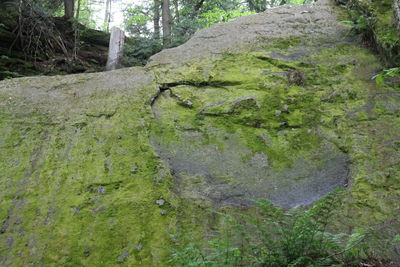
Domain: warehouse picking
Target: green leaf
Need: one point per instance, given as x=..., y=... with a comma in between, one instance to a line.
x=380, y=78
x=348, y=22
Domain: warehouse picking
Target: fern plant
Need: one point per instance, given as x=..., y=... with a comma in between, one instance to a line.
x=380, y=78
x=274, y=237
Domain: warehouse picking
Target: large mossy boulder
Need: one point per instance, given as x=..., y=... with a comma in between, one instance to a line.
x=116, y=168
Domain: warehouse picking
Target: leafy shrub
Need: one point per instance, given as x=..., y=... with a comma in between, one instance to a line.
x=139, y=50
x=218, y=15
x=9, y=74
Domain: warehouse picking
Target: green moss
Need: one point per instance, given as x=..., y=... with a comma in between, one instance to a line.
x=83, y=195
x=79, y=185
x=286, y=43
x=258, y=95
x=374, y=20
x=280, y=43
x=287, y=121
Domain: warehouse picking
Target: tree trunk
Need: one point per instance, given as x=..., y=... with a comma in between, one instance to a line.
x=259, y=5
x=116, y=47
x=69, y=9
x=78, y=10
x=396, y=11
x=77, y=33
x=156, y=19
x=176, y=7
x=166, y=23
x=198, y=5
x=107, y=17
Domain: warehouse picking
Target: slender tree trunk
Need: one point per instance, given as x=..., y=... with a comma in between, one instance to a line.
x=116, y=48
x=166, y=23
x=250, y=3
x=107, y=17
x=396, y=11
x=176, y=10
x=156, y=19
x=264, y=5
x=69, y=9
x=78, y=10
x=77, y=33
x=258, y=5
x=197, y=6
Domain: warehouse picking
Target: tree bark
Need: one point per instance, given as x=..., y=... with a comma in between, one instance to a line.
x=107, y=17
x=78, y=10
x=116, y=48
x=166, y=23
x=156, y=19
x=396, y=15
x=77, y=33
x=69, y=9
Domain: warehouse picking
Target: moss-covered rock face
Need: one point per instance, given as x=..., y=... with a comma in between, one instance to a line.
x=114, y=168
x=78, y=175
x=257, y=128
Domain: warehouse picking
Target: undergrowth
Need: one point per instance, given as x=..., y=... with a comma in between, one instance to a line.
x=274, y=237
